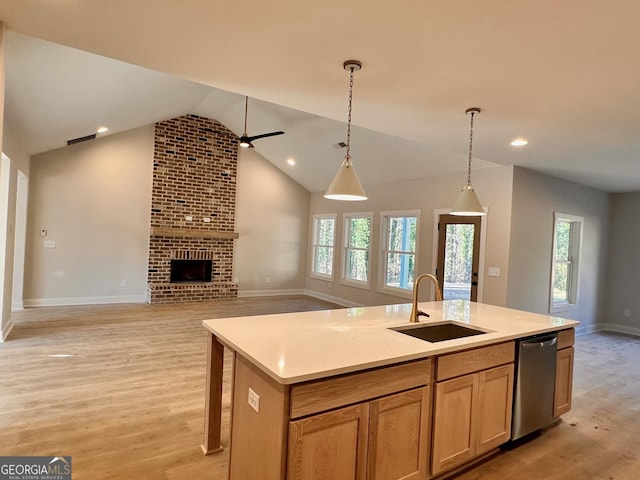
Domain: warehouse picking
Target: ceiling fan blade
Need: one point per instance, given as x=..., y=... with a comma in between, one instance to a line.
x=263, y=135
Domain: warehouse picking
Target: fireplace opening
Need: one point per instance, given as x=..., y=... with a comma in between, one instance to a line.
x=191, y=270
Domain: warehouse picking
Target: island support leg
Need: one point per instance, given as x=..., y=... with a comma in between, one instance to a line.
x=213, y=397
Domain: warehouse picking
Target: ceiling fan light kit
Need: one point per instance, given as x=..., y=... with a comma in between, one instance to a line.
x=467, y=203
x=346, y=184
x=245, y=140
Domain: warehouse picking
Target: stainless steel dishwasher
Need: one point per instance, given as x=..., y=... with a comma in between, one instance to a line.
x=534, y=384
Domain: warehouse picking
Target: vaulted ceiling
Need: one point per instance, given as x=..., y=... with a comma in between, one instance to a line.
x=564, y=75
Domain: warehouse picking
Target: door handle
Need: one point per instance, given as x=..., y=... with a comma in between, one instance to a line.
x=475, y=284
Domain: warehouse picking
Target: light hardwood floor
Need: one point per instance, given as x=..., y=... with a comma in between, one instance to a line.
x=129, y=403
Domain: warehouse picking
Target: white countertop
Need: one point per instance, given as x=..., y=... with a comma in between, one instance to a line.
x=296, y=347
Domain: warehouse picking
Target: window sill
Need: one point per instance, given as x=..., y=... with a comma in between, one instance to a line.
x=317, y=276
x=396, y=292
x=354, y=283
x=563, y=308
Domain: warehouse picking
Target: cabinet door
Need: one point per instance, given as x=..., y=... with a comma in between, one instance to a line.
x=329, y=446
x=495, y=401
x=564, y=382
x=399, y=436
x=453, y=436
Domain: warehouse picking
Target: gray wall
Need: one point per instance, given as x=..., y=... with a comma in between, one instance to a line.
x=493, y=186
x=535, y=198
x=272, y=213
x=94, y=200
x=623, y=273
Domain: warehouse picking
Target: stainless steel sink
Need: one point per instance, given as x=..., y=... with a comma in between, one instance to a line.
x=438, y=332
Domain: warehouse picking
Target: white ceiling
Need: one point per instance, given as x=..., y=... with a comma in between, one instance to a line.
x=564, y=74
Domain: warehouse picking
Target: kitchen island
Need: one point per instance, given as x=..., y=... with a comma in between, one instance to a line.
x=335, y=393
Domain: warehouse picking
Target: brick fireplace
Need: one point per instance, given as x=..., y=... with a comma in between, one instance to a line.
x=192, y=208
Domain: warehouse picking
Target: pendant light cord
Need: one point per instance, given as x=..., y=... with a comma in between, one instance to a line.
x=470, y=148
x=349, y=115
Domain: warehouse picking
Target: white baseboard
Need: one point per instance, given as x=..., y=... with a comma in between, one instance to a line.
x=310, y=293
x=17, y=305
x=332, y=299
x=270, y=293
x=614, y=327
x=59, y=302
x=6, y=330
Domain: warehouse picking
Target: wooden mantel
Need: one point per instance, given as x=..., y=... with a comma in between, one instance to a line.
x=191, y=233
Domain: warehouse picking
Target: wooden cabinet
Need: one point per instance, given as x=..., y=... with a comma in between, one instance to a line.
x=494, y=406
x=385, y=439
x=472, y=412
x=453, y=436
x=330, y=445
x=564, y=372
x=399, y=435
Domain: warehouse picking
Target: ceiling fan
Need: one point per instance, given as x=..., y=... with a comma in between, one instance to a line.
x=245, y=140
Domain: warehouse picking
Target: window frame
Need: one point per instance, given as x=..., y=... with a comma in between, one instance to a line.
x=314, y=245
x=346, y=228
x=382, y=257
x=575, y=252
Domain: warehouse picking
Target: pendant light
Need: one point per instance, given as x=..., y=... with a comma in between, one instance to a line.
x=346, y=184
x=467, y=203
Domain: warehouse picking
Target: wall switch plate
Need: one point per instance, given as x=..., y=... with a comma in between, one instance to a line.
x=49, y=244
x=206, y=220
x=254, y=400
x=188, y=218
x=494, y=271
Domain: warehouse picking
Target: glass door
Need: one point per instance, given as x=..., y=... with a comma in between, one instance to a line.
x=458, y=256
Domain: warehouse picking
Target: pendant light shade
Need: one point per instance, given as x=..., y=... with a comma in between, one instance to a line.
x=346, y=184
x=467, y=203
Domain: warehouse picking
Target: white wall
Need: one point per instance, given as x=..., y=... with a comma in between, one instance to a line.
x=271, y=217
x=94, y=200
x=493, y=186
x=623, y=277
x=535, y=198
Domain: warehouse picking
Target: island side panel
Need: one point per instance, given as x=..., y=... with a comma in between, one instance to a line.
x=258, y=438
x=213, y=397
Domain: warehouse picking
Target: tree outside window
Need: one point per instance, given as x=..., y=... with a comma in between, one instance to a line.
x=357, y=249
x=399, y=256
x=323, y=245
x=567, y=234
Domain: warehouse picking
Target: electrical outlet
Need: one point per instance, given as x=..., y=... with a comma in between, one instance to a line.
x=627, y=313
x=254, y=400
x=123, y=283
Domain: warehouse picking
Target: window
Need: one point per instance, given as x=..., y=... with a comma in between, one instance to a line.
x=567, y=236
x=322, y=248
x=399, y=242
x=356, y=249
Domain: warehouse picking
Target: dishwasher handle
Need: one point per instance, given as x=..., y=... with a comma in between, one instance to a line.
x=538, y=344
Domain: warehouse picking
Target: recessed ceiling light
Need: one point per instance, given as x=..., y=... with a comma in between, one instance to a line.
x=291, y=162
x=519, y=142
x=102, y=130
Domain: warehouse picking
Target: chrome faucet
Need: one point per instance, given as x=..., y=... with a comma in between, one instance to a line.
x=415, y=313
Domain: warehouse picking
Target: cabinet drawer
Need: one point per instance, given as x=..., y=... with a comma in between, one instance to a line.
x=566, y=338
x=326, y=394
x=469, y=361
